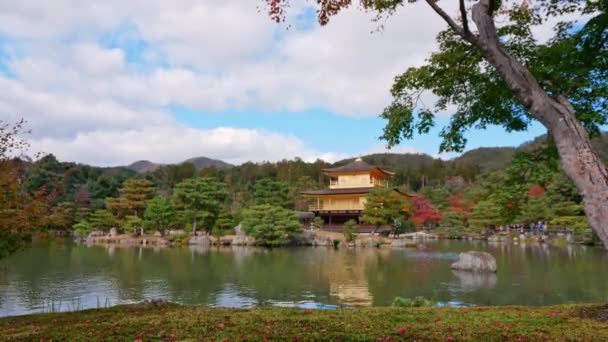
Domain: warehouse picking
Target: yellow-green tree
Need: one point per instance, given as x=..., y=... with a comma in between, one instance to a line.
x=135, y=193
x=384, y=206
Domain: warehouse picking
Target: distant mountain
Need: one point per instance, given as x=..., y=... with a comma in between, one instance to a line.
x=488, y=158
x=143, y=166
x=203, y=162
x=393, y=161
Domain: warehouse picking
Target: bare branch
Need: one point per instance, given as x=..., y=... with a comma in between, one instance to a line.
x=467, y=35
x=445, y=16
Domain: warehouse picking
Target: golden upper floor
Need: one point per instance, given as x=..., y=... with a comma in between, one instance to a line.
x=357, y=174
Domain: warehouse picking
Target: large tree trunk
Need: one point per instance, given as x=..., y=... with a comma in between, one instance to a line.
x=578, y=159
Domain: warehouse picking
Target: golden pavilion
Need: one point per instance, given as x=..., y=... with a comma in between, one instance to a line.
x=349, y=186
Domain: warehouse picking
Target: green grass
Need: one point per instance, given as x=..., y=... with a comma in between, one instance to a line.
x=180, y=323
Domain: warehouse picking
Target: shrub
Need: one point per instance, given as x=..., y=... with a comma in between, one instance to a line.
x=417, y=302
x=350, y=230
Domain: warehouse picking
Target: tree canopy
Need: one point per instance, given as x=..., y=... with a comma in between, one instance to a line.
x=204, y=196
x=270, y=225
x=491, y=69
x=384, y=206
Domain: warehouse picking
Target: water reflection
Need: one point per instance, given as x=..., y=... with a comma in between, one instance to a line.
x=473, y=281
x=76, y=277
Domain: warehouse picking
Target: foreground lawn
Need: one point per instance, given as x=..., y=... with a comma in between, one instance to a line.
x=177, y=323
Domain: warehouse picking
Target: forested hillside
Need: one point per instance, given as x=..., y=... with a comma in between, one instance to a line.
x=482, y=188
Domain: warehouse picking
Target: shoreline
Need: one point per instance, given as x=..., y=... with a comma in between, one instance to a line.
x=331, y=239
x=164, y=321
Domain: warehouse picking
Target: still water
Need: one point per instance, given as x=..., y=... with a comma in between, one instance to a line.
x=60, y=277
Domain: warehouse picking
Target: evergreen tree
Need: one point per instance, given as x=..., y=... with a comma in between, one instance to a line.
x=159, y=214
x=270, y=225
x=486, y=214
x=205, y=197
x=102, y=219
x=267, y=191
x=135, y=193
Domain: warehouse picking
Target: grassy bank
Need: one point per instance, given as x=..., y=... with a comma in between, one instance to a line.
x=176, y=323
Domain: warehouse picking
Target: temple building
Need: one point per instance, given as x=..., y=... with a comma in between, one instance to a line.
x=349, y=186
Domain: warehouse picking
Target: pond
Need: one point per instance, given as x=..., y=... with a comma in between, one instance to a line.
x=60, y=277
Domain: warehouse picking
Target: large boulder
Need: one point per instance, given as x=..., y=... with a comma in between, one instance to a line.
x=113, y=232
x=475, y=262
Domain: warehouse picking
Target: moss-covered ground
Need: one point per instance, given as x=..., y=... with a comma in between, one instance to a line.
x=183, y=323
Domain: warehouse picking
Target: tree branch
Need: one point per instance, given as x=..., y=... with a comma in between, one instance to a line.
x=466, y=34
x=463, y=15
x=445, y=16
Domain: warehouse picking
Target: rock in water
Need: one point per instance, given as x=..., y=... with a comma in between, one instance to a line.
x=475, y=262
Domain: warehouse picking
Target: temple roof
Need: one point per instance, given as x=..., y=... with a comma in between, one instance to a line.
x=346, y=191
x=356, y=166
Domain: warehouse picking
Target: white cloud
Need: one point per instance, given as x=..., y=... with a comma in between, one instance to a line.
x=219, y=55
x=210, y=56
x=176, y=143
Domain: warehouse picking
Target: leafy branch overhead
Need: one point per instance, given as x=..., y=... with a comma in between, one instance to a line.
x=573, y=63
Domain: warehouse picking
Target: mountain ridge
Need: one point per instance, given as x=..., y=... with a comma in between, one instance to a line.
x=144, y=166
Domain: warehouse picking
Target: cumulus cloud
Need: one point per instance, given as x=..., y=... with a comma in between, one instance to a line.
x=76, y=75
x=176, y=143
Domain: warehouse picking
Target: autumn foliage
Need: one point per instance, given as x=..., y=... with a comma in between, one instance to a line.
x=425, y=214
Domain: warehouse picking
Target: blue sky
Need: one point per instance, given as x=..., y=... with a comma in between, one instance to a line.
x=324, y=129
x=114, y=82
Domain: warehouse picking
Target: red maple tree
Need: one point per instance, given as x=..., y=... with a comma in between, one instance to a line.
x=425, y=214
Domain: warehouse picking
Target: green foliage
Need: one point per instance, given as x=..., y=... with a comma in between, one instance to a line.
x=225, y=223
x=417, y=302
x=132, y=224
x=82, y=228
x=534, y=210
x=403, y=226
x=318, y=222
x=349, y=229
x=570, y=63
x=12, y=242
x=438, y=196
x=102, y=219
x=135, y=193
x=384, y=206
x=178, y=239
x=267, y=191
x=270, y=225
x=205, y=197
x=486, y=214
x=577, y=223
x=451, y=221
x=159, y=214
